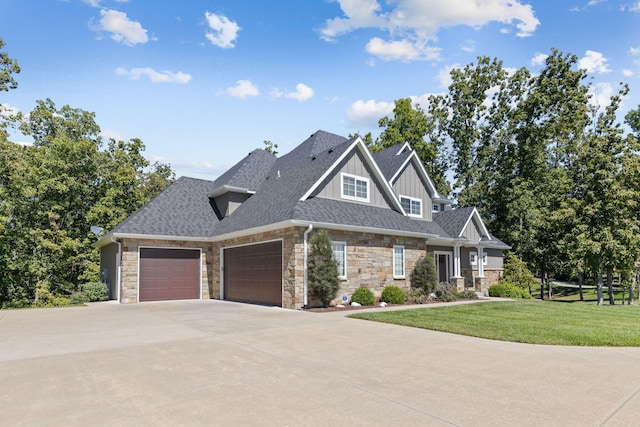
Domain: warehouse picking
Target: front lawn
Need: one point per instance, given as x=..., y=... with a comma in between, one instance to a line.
x=534, y=322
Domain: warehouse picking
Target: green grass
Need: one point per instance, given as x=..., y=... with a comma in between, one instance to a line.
x=534, y=322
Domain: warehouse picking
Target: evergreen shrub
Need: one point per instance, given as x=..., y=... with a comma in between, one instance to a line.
x=392, y=295
x=363, y=296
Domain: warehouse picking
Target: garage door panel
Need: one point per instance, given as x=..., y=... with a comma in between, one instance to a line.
x=254, y=273
x=169, y=274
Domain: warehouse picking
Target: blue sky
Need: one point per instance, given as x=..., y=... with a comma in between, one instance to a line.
x=203, y=83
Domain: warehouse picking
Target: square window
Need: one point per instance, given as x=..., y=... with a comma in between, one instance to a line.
x=412, y=206
x=355, y=188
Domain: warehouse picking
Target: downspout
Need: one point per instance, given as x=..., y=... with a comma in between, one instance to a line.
x=306, y=257
x=118, y=257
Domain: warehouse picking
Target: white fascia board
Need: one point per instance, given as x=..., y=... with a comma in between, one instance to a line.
x=476, y=214
x=404, y=146
x=359, y=144
x=361, y=229
x=329, y=170
x=421, y=170
x=229, y=189
x=252, y=231
x=113, y=237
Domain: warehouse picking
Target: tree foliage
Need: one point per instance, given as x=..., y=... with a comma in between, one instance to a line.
x=322, y=268
x=8, y=67
x=53, y=191
x=425, y=275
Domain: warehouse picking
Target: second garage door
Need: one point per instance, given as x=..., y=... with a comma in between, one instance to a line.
x=169, y=274
x=254, y=274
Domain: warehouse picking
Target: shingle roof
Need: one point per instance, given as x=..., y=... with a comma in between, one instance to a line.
x=291, y=176
x=249, y=172
x=453, y=221
x=183, y=209
x=282, y=189
x=389, y=161
x=339, y=212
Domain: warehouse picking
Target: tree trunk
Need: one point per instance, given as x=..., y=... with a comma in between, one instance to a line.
x=580, y=282
x=632, y=290
x=600, y=299
x=610, y=287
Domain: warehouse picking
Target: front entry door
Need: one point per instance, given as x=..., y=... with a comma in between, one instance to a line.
x=443, y=266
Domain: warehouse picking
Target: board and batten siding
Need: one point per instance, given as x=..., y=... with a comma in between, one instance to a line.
x=472, y=232
x=410, y=184
x=331, y=187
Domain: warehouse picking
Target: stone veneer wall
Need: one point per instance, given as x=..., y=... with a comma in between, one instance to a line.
x=491, y=277
x=370, y=260
x=129, y=265
x=293, y=262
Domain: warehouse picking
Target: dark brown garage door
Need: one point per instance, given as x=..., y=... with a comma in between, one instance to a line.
x=169, y=274
x=254, y=274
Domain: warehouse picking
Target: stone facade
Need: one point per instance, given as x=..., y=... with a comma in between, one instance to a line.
x=369, y=263
x=370, y=260
x=129, y=264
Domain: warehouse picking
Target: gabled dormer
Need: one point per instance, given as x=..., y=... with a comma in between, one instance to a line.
x=410, y=182
x=236, y=185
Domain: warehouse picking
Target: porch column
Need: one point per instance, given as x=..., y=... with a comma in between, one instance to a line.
x=456, y=262
x=480, y=264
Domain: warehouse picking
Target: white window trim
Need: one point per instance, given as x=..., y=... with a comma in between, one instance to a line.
x=356, y=178
x=404, y=269
x=344, y=244
x=474, y=254
x=412, y=199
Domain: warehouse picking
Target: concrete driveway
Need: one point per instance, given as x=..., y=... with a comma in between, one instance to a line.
x=218, y=363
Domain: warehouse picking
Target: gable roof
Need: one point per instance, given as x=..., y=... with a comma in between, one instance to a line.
x=282, y=194
x=455, y=221
x=393, y=161
x=247, y=175
x=182, y=209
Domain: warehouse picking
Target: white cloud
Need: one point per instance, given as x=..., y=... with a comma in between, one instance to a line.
x=112, y=134
x=627, y=73
x=594, y=62
x=154, y=76
x=601, y=95
x=444, y=75
x=635, y=7
x=121, y=28
x=243, y=89
x=225, y=31
x=539, y=59
x=302, y=93
x=367, y=113
x=97, y=3
x=402, y=50
x=469, y=46
x=634, y=51
x=413, y=24
x=7, y=110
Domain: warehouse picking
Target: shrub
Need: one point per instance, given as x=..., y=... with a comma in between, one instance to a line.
x=416, y=296
x=424, y=275
x=363, y=296
x=95, y=291
x=467, y=294
x=517, y=273
x=446, y=292
x=392, y=295
x=504, y=289
x=322, y=268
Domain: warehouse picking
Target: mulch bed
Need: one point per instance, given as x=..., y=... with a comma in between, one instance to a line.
x=350, y=308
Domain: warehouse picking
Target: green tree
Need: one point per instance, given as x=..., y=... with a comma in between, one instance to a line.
x=606, y=197
x=8, y=67
x=322, y=268
x=270, y=147
x=425, y=275
x=517, y=273
x=411, y=124
x=50, y=195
